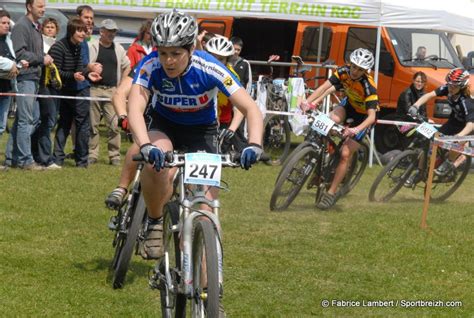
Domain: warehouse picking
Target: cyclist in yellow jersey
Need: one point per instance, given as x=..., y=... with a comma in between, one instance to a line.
x=229, y=116
x=361, y=104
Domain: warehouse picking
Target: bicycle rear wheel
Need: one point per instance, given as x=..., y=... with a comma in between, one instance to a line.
x=277, y=138
x=443, y=187
x=172, y=303
x=292, y=178
x=126, y=246
x=393, y=176
x=206, y=292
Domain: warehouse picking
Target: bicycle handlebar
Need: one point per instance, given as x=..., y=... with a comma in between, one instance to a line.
x=173, y=159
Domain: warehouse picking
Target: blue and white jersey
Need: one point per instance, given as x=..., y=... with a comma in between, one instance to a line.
x=191, y=98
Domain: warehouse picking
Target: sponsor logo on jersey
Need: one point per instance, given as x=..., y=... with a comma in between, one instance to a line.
x=228, y=81
x=208, y=67
x=183, y=103
x=194, y=85
x=168, y=85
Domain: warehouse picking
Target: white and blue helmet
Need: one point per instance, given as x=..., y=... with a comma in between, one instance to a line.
x=174, y=29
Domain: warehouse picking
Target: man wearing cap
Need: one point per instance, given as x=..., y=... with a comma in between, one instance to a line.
x=116, y=66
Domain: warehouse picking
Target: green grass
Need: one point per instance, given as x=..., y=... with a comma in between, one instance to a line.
x=55, y=250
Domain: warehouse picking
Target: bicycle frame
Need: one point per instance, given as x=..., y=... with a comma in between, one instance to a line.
x=188, y=199
x=422, y=145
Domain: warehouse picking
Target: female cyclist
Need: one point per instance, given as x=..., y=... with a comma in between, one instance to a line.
x=461, y=120
x=184, y=85
x=361, y=104
x=229, y=117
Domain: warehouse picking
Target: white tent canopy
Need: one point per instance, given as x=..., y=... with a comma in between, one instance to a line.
x=454, y=16
x=451, y=16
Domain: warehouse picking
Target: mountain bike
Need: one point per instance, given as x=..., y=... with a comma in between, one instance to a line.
x=190, y=274
x=277, y=130
x=316, y=160
x=129, y=226
x=396, y=173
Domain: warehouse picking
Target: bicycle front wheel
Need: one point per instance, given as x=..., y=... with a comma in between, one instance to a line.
x=393, y=176
x=277, y=138
x=443, y=187
x=206, y=291
x=126, y=246
x=172, y=303
x=295, y=152
x=292, y=178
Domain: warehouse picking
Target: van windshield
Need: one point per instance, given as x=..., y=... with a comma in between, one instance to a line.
x=423, y=48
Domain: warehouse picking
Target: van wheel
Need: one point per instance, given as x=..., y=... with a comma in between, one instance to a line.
x=388, y=137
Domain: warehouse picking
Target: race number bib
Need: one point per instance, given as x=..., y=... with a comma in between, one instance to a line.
x=202, y=168
x=322, y=124
x=426, y=130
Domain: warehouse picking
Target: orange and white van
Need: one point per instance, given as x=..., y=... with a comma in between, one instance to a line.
x=264, y=37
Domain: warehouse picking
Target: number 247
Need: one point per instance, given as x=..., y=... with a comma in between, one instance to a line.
x=203, y=173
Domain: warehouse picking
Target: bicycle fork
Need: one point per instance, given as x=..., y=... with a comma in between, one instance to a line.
x=187, y=255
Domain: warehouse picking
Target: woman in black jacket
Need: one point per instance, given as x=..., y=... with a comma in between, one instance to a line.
x=67, y=57
x=409, y=96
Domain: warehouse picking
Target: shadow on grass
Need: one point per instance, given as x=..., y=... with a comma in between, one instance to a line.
x=136, y=269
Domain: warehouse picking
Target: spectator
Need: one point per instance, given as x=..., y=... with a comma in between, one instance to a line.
x=67, y=53
x=241, y=66
x=142, y=45
x=8, y=67
x=28, y=45
x=244, y=71
x=116, y=66
x=409, y=96
x=50, y=29
x=41, y=141
x=420, y=53
x=86, y=14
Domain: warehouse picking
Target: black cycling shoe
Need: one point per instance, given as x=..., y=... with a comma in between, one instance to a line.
x=444, y=168
x=413, y=179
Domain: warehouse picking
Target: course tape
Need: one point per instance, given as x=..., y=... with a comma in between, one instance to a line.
x=100, y=99
x=456, y=147
x=379, y=121
x=455, y=138
x=279, y=113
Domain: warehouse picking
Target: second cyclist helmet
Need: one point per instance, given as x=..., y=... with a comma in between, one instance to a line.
x=458, y=76
x=220, y=45
x=174, y=29
x=362, y=58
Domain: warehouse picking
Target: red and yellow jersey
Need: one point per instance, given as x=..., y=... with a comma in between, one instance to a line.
x=224, y=106
x=361, y=93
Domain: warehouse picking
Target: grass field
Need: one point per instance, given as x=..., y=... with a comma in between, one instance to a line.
x=55, y=250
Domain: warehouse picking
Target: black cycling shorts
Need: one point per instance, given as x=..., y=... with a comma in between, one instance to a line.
x=357, y=119
x=186, y=138
x=351, y=113
x=451, y=127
